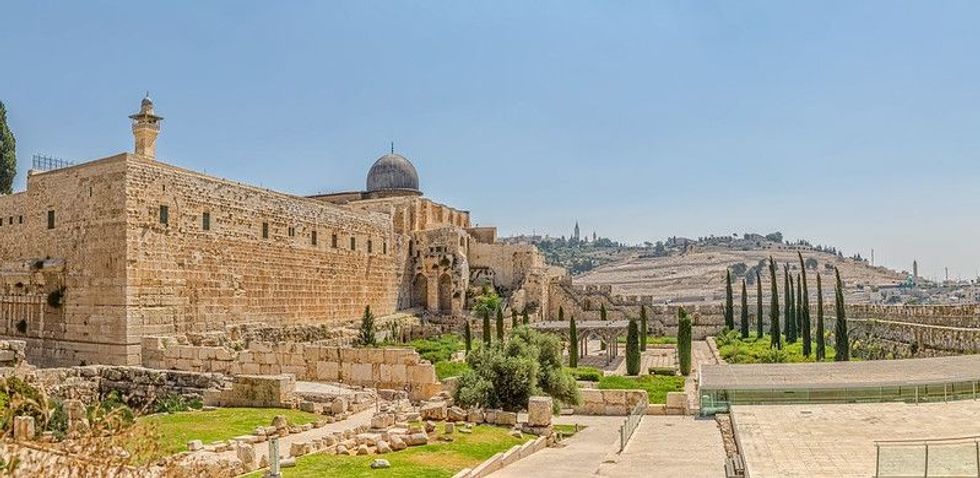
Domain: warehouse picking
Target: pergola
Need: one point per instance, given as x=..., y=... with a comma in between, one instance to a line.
x=607, y=331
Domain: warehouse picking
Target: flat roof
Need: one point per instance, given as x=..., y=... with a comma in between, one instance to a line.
x=553, y=325
x=861, y=374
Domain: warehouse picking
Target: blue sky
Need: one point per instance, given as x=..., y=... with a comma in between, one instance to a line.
x=848, y=123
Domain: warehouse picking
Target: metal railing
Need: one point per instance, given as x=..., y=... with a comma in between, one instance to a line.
x=47, y=163
x=937, y=457
x=631, y=423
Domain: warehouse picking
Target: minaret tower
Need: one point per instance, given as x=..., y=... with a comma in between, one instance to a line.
x=576, y=235
x=146, y=128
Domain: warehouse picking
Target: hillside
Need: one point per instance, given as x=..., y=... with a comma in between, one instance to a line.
x=697, y=274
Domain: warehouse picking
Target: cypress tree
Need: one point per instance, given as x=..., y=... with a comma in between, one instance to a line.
x=500, y=325
x=486, y=328
x=643, y=328
x=8, y=154
x=633, y=348
x=468, y=337
x=366, y=337
x=729, y=302
x=840, y=330
x=525, y=317
x=805, y=310
x=745, y=312
x=821, y=345
x=683, y=341
x=513, y=319
x=602, y=311
x=775, y=340
x=758, y=305
x=803, y=326
x=572, y=344
x=561, y=313
x=788, y=321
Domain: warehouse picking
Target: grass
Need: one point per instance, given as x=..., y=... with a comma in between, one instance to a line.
x=450, y=369
x=435, y=460
x=568, y=430
x=440, y=349
x=751, y=350
x=655, y=340
x=176, y=429
x=656, y=386
x=588, y=374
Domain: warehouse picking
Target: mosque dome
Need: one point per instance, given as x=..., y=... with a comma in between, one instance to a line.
x=392, y=171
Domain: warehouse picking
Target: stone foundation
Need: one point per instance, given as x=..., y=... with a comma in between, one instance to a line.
x=609, y=402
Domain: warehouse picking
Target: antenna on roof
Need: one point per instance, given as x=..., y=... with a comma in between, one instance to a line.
x=392, y=147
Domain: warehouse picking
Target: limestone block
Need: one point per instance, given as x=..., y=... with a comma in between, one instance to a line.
x=539, y=411
x=327, y=370
x=338, y=406
x=362, y=373
x=23, y=428
x=435, y=410
x=475, y=415
x=374, y=356
x=246, y=454
x=676, y=401
x=422, y=373
x=397, y=443
x=506, y=418
x=416, y=439
x=456, y=414
x=614, y=397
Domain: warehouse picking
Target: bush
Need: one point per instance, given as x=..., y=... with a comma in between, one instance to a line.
x=684, y=342
x=173, y=403
x=450, y=369
x=439, y=349
x=656, y=386
x=632, y=349
x=665, y=371
x=585, y=374
x=507, y=376
x=366, y=336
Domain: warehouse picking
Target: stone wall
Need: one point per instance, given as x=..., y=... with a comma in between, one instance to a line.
x=12, y=352
x=139, y=386
x=609, y=402
x=388, y=368
x=909, y=339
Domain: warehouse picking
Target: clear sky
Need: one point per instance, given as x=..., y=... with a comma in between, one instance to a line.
x=851, y=123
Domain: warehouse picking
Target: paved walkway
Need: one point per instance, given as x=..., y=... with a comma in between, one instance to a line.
x=663, y=446
x=262, y=449
x=700, y=355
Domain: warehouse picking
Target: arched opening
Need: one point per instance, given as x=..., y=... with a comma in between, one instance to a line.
x=420, y=291
x=445, y=293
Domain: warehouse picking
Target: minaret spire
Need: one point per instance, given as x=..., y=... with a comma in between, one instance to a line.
x=146, y=128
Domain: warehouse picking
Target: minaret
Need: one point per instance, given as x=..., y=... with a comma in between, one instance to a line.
x=915, y=270
x=576, y=235
x=146, y=128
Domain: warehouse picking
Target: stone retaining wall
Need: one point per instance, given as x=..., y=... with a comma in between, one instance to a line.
x=906, y=339
x=500, y=460
x=138, y=386
x=609, y=402
x=388, y=368
x=12, y=352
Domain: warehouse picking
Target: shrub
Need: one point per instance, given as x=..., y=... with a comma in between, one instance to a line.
x=173, y=403
x=572, y=344
x=684, y=341
x=665, y=371
x=366, y=337
x=632, y=349
x=439, y=349
x=507, y=376
x=774, y=356
x=585, y=374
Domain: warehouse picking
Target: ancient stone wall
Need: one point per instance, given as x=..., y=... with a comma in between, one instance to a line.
x=139, y=387
x=253, y=259
x=389, y=368
x=510, y=263
x=63, y=265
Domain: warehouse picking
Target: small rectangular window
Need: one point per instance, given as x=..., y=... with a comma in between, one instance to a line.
x=384, y=247
x=333, y=241
x=265, y=230
x=206, y=221
x=353, y=243
x=370, y=246
x=313, y=237
x=11, y=220
x=292, y=231
x=20, y=219
x=164, y=215
x=50, y=219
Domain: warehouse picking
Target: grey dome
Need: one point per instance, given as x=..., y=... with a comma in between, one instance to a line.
x=392, y=171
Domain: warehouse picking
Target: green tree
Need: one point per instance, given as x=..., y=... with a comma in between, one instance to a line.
x=729, y=302
x=486, y=328
x=602, y=311
x=805, y=309
x=745, y=312
x=774, y=336
x=632, y=348
x=821, y=345
x=8, y=154
x=572, y=344
x=366, y=337
x=758, y=305
x=787, y=310
x=840, y=330
x=524, y=317
x=500, y=325
x=643, y=328
x=468, y=336
x=488, y=301
x=683, y=341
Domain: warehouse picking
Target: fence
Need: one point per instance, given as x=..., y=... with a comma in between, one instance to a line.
x=632, y=421
x=46, y=163
x=945, y=457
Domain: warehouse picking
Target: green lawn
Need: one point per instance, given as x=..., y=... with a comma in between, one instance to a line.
x=655, y=339
x=450, y=369
x=735, y=350
x=439, y=349
x=656, y=386
x=435, y=460
x=176, y=429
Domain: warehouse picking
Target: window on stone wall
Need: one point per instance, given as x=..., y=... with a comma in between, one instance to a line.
x=20, y=219
x=265, y=230
x=291, y=231
x=384, y=247
x=353, y=243
x=370, y=246
x=333, y=241
x=206, y=221
x=164, y=214
x=50, y=219
x=313, y=238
